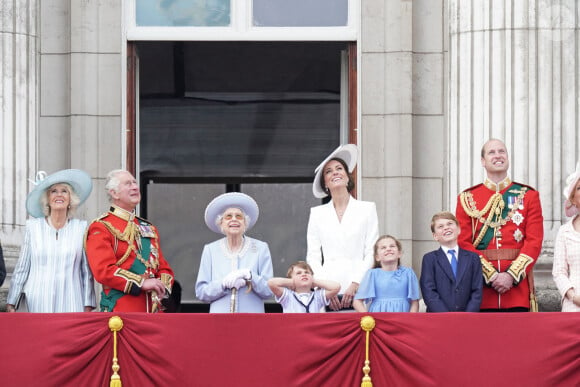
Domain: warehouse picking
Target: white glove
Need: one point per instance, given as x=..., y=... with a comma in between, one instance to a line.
x=239, y=283
x=245, y=274
x=229, y=279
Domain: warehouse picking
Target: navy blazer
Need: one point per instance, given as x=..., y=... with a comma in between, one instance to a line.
x=442, y=292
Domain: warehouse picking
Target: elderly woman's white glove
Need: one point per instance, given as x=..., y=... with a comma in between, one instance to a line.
x=239, y=283
x=232, y=282
x=231, y=279
x=244, y=274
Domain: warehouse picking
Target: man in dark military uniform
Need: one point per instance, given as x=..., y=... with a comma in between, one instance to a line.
x=124, y=254
x=502, y=221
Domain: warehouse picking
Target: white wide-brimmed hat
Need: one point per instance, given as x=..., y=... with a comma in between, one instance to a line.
x=80, y=181
x=348, y=153
x=571, y=181
x=231, y=200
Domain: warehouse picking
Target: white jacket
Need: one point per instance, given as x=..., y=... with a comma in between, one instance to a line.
x=347, y=246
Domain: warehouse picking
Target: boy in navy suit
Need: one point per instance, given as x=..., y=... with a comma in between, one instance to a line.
x=451, y=278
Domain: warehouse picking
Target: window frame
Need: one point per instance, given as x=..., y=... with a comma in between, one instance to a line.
x=241, y=28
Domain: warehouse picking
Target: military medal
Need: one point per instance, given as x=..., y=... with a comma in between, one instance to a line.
x=517, y=218
x=137, y=236
x=154, y=258
x=518, y=235
x=146, y=231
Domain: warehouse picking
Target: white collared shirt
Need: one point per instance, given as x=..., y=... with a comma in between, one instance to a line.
x=446, y=251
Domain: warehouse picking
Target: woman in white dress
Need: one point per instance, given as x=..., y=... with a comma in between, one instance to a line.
x=566, y=268
x=234, y=270
x=341, y=233
x=52, y=273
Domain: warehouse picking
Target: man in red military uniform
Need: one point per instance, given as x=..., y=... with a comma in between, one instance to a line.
x=124, y=254
x=502, y=221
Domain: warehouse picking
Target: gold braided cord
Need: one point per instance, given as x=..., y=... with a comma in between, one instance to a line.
x=115, y=325
x=367, y=323
x=469, y=204
x=493, y=209
x=129, y=235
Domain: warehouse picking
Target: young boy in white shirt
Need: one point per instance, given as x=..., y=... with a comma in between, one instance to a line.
x=300, y=292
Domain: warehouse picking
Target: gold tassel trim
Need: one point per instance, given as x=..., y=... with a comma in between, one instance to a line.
x=533, y=303
x=367, y=323
x=115, y=325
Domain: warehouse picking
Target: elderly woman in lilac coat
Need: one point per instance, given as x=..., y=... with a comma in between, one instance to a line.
x=234, y=270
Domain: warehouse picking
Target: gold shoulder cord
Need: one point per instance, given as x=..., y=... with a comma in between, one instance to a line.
x=494, y=208
x=129, y=235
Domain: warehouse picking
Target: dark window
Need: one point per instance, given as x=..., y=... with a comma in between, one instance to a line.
x=257, y=117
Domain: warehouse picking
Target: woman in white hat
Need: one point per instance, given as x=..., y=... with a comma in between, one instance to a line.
x=566, y=268
x=234, y=270
x=341, y=234
x=52, y=273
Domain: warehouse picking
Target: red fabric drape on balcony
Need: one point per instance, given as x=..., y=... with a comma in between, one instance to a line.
x=535, y=349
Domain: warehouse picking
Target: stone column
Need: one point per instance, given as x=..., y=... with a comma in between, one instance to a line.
x=18, y=83
x=403, y=109
x=386, y=73
x=80, y=91
x=513, y=74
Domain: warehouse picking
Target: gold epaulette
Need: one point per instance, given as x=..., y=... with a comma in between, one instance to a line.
x=518, y=267
x=487, y=269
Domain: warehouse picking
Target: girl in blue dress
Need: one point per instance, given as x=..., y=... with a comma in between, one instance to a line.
x=388, y=286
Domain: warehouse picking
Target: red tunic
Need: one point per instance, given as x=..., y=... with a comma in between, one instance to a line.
x=106, y=245
x=519, y=227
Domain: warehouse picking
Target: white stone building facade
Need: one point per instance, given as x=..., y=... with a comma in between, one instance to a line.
x=433, y=80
